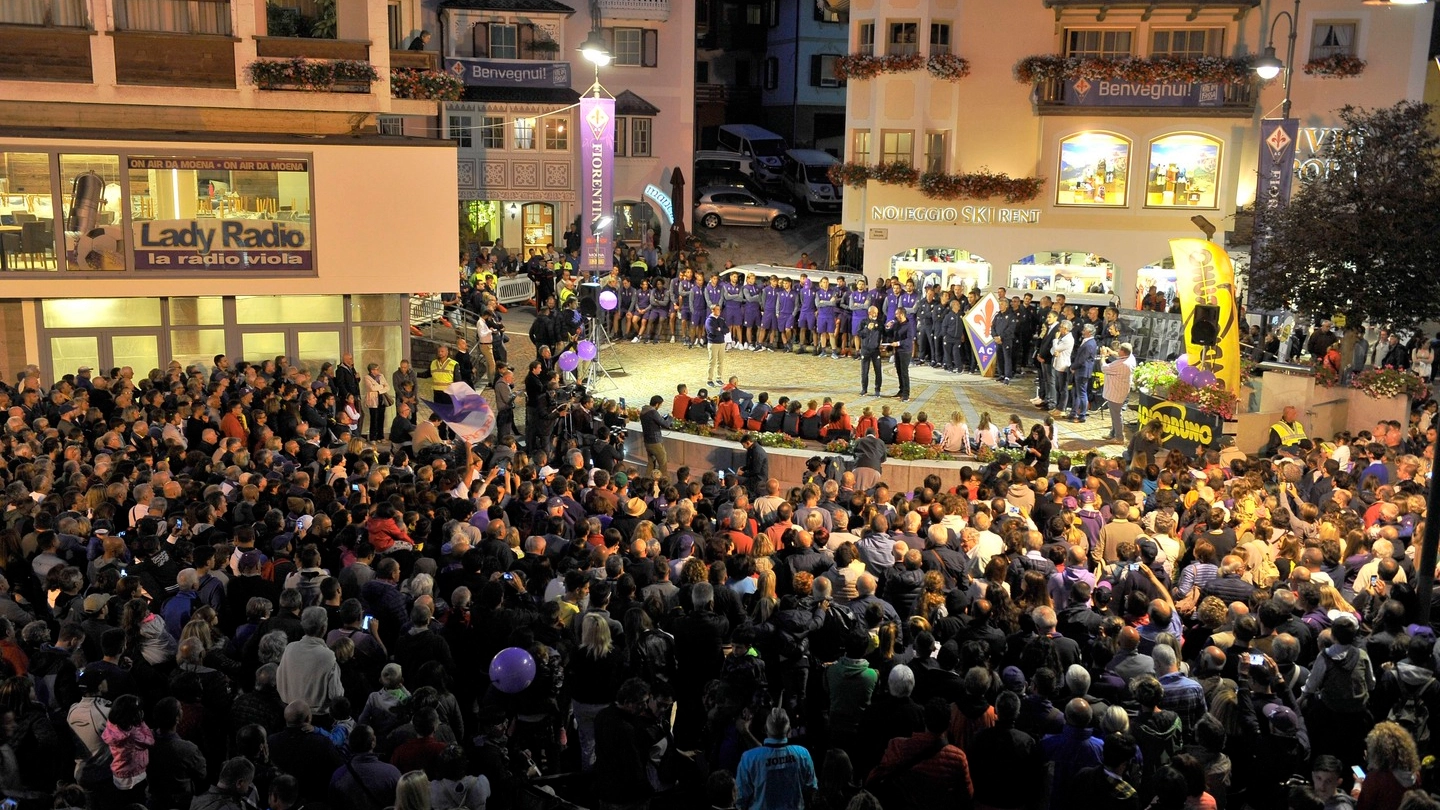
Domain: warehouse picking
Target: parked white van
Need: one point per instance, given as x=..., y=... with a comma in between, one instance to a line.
x=757, y=142
x=805, y=173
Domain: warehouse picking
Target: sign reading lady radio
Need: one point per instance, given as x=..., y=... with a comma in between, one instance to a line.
x=221, y=213
x=1184, y=427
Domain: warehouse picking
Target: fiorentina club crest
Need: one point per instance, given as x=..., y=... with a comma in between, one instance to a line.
x=597, y=120
x=1082, y=87
x=982, y=339
x=1277, y=140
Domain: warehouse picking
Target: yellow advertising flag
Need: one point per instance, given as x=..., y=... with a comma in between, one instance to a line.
x=1204, y=275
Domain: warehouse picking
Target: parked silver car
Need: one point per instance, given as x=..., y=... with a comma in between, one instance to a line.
x=721, y=205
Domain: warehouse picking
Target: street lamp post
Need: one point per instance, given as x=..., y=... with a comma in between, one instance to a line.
x=1268, y=66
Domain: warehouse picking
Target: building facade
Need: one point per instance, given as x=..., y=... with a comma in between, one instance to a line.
x=171, y=188
x=518, y=163
x=803, y=97
x=1123, y=165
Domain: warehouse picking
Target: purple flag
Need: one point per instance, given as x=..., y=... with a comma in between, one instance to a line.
x=597, y=160
x=1273, y=175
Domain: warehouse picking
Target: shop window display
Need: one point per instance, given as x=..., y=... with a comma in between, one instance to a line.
x=1184, y=172
x=943, y=266
x=1094, y=170
x=1079, y=275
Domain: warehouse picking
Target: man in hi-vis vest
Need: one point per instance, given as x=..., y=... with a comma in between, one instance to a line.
x=1285, y=435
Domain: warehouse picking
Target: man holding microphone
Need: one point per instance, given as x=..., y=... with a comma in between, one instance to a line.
x=902, y=338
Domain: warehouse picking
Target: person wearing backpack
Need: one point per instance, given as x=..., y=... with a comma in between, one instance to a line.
x=1336, y=693
x=1409, y=694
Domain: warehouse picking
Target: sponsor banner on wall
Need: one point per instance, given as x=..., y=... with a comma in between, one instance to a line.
x=597, y=169
x=1184, y=427
x=1137, y=94
x=509, y=72
x=223, y=244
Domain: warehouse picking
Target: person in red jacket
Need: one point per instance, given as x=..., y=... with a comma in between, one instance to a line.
x=385, y=531
x=681, y=403
x=924, y=430
x=727, y=415
x=925, y=764
x=905, y=431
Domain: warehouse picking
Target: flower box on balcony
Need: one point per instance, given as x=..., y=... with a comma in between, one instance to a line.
x=425, y=85
x=1204, y=70
x=1337, y=66
x=313, y=75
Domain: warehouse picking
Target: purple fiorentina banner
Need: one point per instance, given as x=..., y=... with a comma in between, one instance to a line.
x=1273, y=175
x=597, y=161
x=982, y=340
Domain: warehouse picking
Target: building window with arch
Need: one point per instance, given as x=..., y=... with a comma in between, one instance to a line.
x=1094, y=170
x=1184, y=171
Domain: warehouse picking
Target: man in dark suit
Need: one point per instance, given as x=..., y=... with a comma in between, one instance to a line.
x=755, y=471
x=1082, y=366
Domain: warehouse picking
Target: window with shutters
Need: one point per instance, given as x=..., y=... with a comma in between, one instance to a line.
x=860, y=147
x=504, y=41
x=772, y=73
x=1191, y=43
x=824, y=13
x=939, y=38
x=640, y=137
x=492, y=132
x=822, y=70
x=459, y=130
x=633, y=47
x=903, y=39
x=1093, y=43
x=897, y=146
x=622, y=134
x=524, y=133
x=1333, y=39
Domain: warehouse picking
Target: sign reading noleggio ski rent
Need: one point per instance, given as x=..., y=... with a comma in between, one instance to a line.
x=221, y=213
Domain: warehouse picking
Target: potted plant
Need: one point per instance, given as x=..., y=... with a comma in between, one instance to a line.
x=1335, y=66
x=544, y=45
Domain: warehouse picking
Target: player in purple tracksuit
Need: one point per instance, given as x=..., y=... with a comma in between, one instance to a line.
x=681, y=292
x=786, y=302
x=805, y=313
x=750, y=315
x=711, y=295
x=827, y=311
x=621, y=316
x=661, y=313
x=769, y=326
x=892, y=300
x=734, y=307
x=639, y=311
x=860, y=299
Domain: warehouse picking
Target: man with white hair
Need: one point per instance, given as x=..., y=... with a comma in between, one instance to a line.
x=308, y=671
x=178, y=608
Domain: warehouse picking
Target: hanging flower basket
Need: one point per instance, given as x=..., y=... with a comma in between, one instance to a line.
x=1337, y=66
x=315, y=75
x=1204, y=70
x=979, y=185
x=425, y=85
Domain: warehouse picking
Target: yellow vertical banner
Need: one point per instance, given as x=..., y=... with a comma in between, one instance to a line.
x=1205, y=275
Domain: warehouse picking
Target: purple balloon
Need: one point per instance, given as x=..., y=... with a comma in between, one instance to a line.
x=1204, y=379
x=586, y=350
x=569, y=360
x=608, y=301
x=512, y=670
x=1189, y=374
x=1182, y=362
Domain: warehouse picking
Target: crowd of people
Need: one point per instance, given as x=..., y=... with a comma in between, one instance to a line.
x=230, y=587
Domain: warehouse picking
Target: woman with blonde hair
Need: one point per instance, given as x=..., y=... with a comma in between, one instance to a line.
x=1330, y=599
x=1392, y=766
x=593, y=675
x=412, y=792
x=955, y=438
x=764, y=601
x=931, y=605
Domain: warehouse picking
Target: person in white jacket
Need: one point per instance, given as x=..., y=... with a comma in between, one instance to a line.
x=1060, y=351
x=308, y=670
